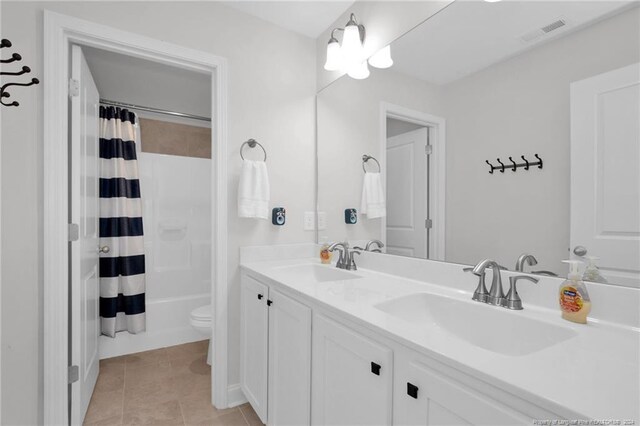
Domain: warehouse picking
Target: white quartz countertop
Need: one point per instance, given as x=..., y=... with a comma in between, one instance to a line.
x=594, y=374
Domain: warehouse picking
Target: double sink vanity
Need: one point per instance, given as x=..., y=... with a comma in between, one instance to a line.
x=400, y=341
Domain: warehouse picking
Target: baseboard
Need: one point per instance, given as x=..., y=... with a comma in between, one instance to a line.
x=235, y=396
x=125, y=343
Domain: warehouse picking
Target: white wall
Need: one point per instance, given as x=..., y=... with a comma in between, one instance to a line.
x=521, y=107
x=271, y=98
x=348, y=127
x=385, y=21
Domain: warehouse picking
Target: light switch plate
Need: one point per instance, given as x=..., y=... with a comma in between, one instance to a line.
x=322, y=221
x=309, y=221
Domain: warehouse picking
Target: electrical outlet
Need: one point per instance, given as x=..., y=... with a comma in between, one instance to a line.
x=322, y=221
x=309, y=221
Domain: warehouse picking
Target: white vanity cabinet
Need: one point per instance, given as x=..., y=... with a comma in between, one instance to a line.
x=275, y=354
x=424, y=395
x=352, y=377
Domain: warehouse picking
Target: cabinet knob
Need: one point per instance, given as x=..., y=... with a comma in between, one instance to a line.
x=375, y=368
x=260, y=296
x=269, y=302
x=412, y=390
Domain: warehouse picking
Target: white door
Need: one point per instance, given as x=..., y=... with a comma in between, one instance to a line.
x=352, y=377
x=407, y=194
x=85, y=291
x=423, y=396
x=254, y=329
x=289, y=361
x=605, y=177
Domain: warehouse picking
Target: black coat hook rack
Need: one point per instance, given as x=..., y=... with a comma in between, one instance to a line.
x=515, y=166
x=25, y=70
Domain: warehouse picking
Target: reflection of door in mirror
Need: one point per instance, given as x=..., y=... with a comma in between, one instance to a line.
x=407, y=186
x=605, y=178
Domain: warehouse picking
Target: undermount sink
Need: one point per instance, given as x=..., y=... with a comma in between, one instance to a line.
x=315, y=273
x=489, y=327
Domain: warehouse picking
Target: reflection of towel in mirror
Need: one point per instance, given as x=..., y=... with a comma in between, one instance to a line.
x=373, y=202
x=253, y=190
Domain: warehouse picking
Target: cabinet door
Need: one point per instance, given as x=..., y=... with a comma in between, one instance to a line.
x=254, y=329
x=289, y=361
x=423, y=396
x=352, y=377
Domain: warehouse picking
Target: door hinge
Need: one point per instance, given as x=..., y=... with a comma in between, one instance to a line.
x=428, y=149
x=428, y=223
x=74, y=88
x=74, y=373
x=74, y=232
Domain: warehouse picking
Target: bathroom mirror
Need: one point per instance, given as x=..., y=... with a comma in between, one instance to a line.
x=501, y=129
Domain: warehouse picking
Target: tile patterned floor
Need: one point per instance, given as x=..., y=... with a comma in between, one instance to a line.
x=169, y=386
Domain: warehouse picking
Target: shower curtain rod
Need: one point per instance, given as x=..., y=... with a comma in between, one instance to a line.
x=156, y=110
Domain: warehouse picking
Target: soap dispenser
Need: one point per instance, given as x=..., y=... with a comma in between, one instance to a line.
x=574, y=298
x=592, y=273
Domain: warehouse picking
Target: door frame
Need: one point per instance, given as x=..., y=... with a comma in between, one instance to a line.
x=60, y=31
x=437, y=167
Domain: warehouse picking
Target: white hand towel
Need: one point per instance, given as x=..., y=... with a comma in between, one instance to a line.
x=253, y=190
x=373, y=202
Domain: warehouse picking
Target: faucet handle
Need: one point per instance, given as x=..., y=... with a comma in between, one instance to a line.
x=480, y=294
x=513, y=300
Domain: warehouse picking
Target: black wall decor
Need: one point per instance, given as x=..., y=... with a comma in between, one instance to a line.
x=515, y=166
x=15, y=57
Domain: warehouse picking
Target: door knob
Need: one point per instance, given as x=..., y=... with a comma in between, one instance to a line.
x=103, y=249
x=580, y=251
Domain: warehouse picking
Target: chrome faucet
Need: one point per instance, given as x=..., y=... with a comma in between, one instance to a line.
x=345, y=260
x=525, y=257
x=496, y=294
x=370, y=243
x=513, y=301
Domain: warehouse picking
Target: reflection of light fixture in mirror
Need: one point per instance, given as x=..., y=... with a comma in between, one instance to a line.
x=382, y=58
x=359, y=71
x=348, y=56
x=334, y=55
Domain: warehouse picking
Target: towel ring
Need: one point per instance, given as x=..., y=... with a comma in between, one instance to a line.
x=366, y=158
x=252, y=144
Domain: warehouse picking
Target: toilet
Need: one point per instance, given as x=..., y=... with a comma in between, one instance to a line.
x=201, y=320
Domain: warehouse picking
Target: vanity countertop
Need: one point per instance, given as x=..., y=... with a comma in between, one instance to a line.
x=593, y=374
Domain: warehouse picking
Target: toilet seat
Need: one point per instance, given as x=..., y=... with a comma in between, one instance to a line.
x=201, y=314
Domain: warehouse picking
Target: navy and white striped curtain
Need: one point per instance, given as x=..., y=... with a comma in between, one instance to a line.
x=122, y=270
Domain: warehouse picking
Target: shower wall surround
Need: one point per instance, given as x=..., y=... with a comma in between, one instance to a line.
x=175, y=180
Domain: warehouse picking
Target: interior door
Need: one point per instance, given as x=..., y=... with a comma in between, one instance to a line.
x=84, y=196
x=605, y=177
x=407, y=186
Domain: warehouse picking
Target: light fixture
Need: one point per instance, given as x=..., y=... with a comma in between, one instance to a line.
x=382, y=58
x=334, y=55
x=349, y=56
x=359, y=71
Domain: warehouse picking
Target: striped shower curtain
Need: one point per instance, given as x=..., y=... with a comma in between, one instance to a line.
x=122, y=269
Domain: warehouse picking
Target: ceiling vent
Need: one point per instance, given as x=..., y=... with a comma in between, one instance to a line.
x=542, y=31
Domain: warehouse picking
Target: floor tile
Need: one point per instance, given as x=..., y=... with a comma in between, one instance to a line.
x=144, y=374
x=168, y=413
x=198, y=409
x=231, y=419
x=104, y=405
x=111, y=421
x=149, y=394
x=188, y=349
x=111, y=378
x=250, y=415
x=147, y=357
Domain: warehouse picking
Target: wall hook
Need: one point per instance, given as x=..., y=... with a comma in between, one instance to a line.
x=514, y=167
x=539, y=161
x=490, y=165
x=526, y=167
x=501, y=164
x=25, y=70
